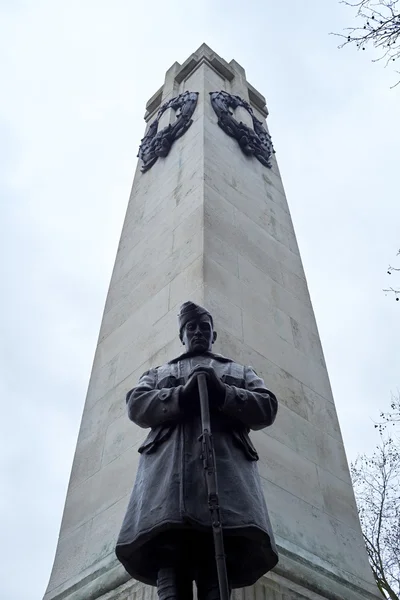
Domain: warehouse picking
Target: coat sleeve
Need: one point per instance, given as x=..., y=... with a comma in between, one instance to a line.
x=149, y=406
x=253, y=405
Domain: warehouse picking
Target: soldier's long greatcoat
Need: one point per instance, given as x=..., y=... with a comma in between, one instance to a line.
x=170, y=489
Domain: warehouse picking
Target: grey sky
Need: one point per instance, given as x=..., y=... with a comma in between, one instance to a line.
x=75, y=79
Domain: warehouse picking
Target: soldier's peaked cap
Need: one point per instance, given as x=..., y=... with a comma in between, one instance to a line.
x=189, y=311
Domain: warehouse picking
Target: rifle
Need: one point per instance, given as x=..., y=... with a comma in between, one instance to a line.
x=209, y=465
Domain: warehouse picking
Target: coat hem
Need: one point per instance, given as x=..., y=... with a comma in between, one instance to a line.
x=124, y=551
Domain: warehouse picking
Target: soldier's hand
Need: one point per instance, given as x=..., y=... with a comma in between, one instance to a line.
x=215, y=386
x=190, y=387
x=189, y=397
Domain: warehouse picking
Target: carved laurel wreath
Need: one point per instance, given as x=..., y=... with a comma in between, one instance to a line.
x=158, y=143
x=254, y=142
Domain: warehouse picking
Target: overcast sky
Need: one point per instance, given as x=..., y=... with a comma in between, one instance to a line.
x=75, y=77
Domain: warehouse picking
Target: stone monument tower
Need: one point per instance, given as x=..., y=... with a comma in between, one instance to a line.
x=208, y=221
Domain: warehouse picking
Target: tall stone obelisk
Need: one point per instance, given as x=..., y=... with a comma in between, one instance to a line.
x=208, y=221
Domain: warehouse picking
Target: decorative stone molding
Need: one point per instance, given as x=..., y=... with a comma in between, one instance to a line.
x=254, y=142
x=156, y=143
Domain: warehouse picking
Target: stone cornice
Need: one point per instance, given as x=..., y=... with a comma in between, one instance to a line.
x=205, y=55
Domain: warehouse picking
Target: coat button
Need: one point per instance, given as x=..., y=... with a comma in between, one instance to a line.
x=163, y=396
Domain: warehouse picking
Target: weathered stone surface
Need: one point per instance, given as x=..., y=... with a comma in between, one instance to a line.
x=289, y=470
x=189, y=280
x=276, y=293
x=71, y=556
x=209, y=224
x=101, y=490
x=264, y=339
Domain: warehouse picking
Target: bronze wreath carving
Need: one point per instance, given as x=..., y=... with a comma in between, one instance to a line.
x=254, y=142
x=158, y=143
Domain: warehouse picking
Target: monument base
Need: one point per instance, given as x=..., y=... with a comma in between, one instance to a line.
x=291, y=579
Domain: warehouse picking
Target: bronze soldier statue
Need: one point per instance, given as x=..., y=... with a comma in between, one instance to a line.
x=166, y=537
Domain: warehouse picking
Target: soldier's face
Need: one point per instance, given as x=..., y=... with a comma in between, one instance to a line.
x=198, y=334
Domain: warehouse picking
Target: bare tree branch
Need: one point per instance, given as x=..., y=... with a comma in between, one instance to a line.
x=391, y=417
x=395, y=291
x=376, y=481
x=379, y=28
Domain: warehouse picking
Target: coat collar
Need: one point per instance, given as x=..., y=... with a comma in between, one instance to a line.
x=185, y=355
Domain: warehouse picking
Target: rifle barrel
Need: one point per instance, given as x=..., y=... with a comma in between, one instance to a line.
x=210, y=472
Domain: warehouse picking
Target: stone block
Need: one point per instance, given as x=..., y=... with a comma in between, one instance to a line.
x=275, y=294
x=104, y=532
x=177, y=177
x=109, y=407
x=294, y=432
x=195, y=80
x=232, y=169
x=228, y=344
x=321, y=412
x=332, y=456
x=187, y=229
x=250, y=231
x=307, y=342
x=218, y=278
x=246, y=181
x=339, y=501
x=287, y=389
x=146, y=345
x=160, y=275
x=219, y=216
x=184, y=206
x=213, y=82
x=163, y=333
x=161, y=356
x=272, y=178
x=350, y=549
x=265, y=214
x=138, y=324
x=224, y=312
x=251, y=248
x=287, y=468
x=296, y=285
x=106, y=487
x=225, y=173
x=140, y=268
x=71, y=555
x=299, y=522
x=265, y=341
x=264, y=312
x=221, y=221
x=121, y=435
x=158, y=224
x=314, y=532
x=265, y=589
x=188, y=280
x=189, y=180
x=232, y=163
x=221, y=252
x=87, y=460
x=274, y=194
x=222, y=281
x=102, y=380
